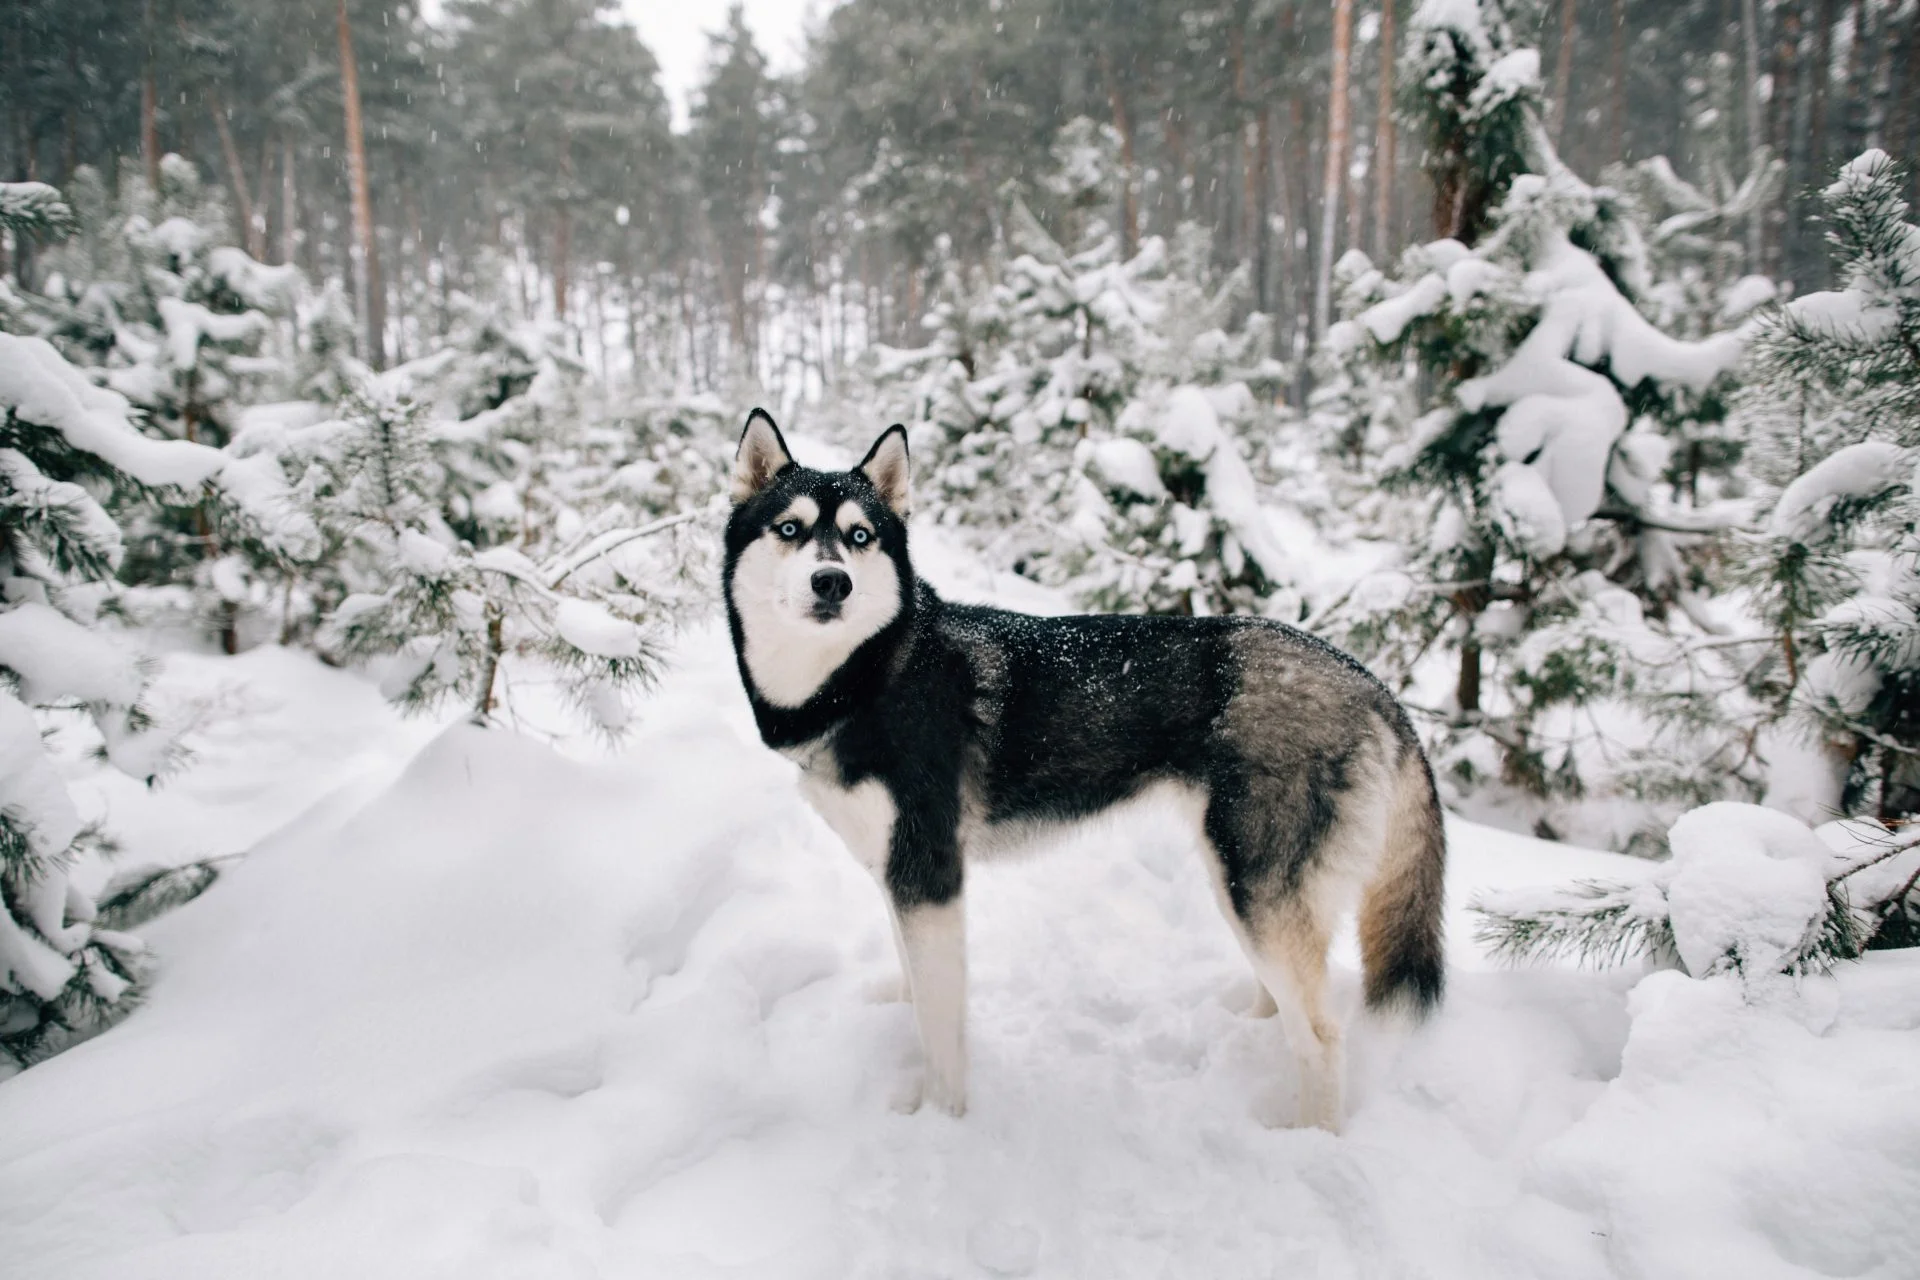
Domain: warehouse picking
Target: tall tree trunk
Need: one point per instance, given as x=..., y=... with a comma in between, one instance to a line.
x=1384, y=139
x=255, y=234
x=1903, y=83
x=289, y=203
x=1750, y=47
x=1562, y=104
x=149, y=102
x=1786, y=93
x=562, y=252
x=1617, y=86
x=372, y=289
x=1242, y=101
x=1129, y=210
x=1819, y=145
x=1336, y=170
x=1263, y=211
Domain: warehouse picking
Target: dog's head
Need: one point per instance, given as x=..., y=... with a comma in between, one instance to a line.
x=816, y=561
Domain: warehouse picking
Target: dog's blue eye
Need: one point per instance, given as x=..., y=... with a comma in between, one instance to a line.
x=788, y=529
x=861, y=537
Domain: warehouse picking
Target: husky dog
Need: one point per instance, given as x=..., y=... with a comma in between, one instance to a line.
x=929, y=733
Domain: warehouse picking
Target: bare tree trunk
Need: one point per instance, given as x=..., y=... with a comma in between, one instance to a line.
x=1562, y=103
x=1821, y=88
x=1750, y=47
x=1385, y=139
x=1903, y=81
x=562, y=252
x=1129, y=211
x=1336, y=163
x=149, y=103
x=1242, y=98
x=1263, y=210
x=255, y=234
x=288, y=202
x=1617, y=86
x=369, y=281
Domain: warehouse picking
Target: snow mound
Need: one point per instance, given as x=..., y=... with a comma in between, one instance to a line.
x=1747, y=887
x=506, y=1013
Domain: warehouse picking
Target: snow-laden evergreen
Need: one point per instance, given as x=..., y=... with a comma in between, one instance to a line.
x=1508, y=385
x=1084, y=415
x=1832, y=405
x=67, y=967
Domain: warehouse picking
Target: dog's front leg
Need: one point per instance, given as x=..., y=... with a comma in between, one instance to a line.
x=934, y=940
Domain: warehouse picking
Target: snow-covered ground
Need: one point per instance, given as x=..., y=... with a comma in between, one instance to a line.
x=473, y=1006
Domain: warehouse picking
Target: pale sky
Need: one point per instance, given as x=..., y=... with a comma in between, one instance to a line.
x=676, y=31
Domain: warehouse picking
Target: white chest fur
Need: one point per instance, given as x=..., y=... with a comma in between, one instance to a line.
x=861, y=815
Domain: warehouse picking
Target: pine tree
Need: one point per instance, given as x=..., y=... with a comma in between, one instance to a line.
x=189, y=329
x=67, y=968
x=1545, y=553
x=443, y=613
x=1833, y=407
x=1079, y=414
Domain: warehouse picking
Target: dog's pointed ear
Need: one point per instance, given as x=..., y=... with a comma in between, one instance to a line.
x=762, y=455
x=886, y=465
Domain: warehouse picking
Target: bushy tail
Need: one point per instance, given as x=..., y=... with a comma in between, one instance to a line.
x=1402, y=925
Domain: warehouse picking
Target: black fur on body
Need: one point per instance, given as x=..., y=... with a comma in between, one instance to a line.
x=980, y=722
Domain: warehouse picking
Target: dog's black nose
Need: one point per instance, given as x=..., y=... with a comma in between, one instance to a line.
x=832, y=585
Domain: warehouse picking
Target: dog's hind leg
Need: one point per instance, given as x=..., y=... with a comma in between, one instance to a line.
x=934, y=940
x=1288, y=946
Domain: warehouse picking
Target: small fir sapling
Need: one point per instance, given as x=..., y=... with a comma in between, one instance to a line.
x=66, y=968
x=1831, y=404
x=188, y=328
x=444, y=614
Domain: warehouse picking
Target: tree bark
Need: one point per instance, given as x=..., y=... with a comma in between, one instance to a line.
x=1562, y=104
x=1242, y=100
x=289, y=204
x=149, y=103
x=1335, y=173
x=1385, y=139
x=1129, y=211
x=1263, y=210
x=1617, y=85
x=1750, y=47
x=255, y=234
x=372, y=289
x=1821, y=86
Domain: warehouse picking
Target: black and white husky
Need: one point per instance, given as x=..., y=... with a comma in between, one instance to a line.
x=930, y=733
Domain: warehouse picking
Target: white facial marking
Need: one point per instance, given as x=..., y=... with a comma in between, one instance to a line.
x=802, y=509
x=790, y=653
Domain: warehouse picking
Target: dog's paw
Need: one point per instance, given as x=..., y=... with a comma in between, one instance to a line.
x=1263, y=1004
x=948, y=1096
x=906, y=1096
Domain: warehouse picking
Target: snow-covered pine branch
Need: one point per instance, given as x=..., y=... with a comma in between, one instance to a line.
x=35, y=208
x=1749, y=890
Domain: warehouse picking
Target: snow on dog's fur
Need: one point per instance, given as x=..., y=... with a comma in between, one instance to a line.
x=931, y=732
